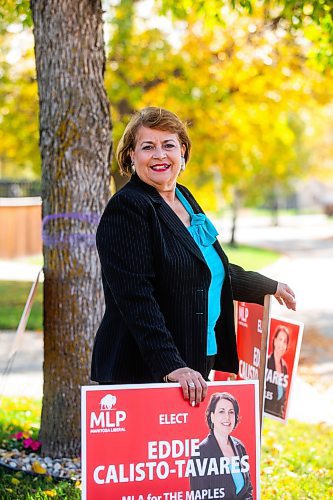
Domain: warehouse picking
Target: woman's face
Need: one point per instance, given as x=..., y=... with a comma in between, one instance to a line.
x=157, y=157
x=223, y=418
x=280, y=343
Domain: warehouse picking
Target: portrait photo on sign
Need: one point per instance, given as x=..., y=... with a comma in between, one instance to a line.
x=283, y=352
x=226, y=455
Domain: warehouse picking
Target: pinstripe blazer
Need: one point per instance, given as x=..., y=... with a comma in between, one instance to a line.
x=156, y=282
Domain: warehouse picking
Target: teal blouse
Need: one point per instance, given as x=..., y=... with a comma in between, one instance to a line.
x=204, y=234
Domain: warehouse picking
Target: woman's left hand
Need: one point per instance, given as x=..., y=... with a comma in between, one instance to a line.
x=285, y=296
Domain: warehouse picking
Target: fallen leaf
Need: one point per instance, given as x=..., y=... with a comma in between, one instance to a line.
x=36, y=467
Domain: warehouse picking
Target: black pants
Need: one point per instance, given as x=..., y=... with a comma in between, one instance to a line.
x=209, y=366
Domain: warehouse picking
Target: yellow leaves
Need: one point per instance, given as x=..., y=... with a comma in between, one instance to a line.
x=307, y=9
x=15, y=481
x=50, y=493
x=78, y=485
x=37, y=467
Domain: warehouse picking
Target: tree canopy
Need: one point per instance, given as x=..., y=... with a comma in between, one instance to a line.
x=246, y=88
x=251, y=79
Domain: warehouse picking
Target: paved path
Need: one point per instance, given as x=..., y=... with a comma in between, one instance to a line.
x=26, y=375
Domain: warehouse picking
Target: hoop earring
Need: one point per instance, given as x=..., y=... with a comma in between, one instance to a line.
x=132, y=167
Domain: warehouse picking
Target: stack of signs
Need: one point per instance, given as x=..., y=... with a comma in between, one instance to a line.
x=145, y=442
x=283, y=347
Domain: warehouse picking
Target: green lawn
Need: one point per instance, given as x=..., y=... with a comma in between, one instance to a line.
x=13, y=296
x=297, y=462
x=251, y=258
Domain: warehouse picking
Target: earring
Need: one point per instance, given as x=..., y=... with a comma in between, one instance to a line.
x=182, y=163
x=132, y=167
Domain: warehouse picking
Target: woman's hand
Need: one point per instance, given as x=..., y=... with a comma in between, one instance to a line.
x=285, y=296
x=193, y=385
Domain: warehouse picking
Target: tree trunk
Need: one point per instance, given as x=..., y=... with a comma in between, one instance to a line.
x=234, y=216
x=75, y=144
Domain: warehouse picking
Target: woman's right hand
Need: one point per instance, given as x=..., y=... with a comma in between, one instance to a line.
x=192, y=383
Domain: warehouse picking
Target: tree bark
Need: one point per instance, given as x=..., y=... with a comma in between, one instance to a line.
x=234, y=216
x=75, y=144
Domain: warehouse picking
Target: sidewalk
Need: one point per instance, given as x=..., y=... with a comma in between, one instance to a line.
x=26, y=375
x=18, y=270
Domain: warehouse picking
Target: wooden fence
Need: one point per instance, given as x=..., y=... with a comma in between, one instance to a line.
x=20, y=227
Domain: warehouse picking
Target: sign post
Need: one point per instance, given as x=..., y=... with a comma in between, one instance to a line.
x=263, y=356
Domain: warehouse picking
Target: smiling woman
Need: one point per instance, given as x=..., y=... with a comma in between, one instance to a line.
x=220, y=447
x=168, y=285
x=157, y=158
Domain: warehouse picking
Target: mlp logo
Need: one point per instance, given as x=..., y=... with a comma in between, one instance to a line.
x=243, y=314
x=108, y=418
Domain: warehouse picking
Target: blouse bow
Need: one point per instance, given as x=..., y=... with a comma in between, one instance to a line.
x=202, y=230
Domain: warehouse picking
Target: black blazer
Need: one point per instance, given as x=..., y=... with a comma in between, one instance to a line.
x=209, y=448
x=156, y=282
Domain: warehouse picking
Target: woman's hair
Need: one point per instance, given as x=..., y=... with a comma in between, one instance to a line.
x=279, y=329
x=214, y=399
x=151, y=117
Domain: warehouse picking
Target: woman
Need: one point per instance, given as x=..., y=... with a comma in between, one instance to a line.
x=168, y=285
x=222, y=416
x=277, y=374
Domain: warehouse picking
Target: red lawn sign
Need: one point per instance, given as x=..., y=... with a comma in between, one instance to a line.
x=143, y=442
x=256, y=330
x=284, y=344
x=252, y=323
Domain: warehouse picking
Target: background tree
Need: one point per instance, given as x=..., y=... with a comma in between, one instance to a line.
x=75, y=148
x=19, y=154
x=245, y=87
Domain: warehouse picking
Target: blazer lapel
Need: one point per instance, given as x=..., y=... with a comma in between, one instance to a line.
x=169, y=218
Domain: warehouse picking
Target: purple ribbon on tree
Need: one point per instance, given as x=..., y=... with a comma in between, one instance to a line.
x=62, y=238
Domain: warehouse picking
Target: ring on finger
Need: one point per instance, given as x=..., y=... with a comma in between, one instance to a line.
x=191, y=384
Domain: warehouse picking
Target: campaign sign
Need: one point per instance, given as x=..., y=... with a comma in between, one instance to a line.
x=284, y=345
x=249, y=324
x=145, y=442
x=249, y=332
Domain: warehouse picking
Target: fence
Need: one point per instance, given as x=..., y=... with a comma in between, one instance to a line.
x=20, y=218
x=19, y=188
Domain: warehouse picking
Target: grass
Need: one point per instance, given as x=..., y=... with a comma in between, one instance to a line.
x=18, y=414
x=251, y=258
x=297, y=462
x=13, y=294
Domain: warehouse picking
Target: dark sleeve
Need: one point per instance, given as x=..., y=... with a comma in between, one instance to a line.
x=125, y=247
x=250, y=286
